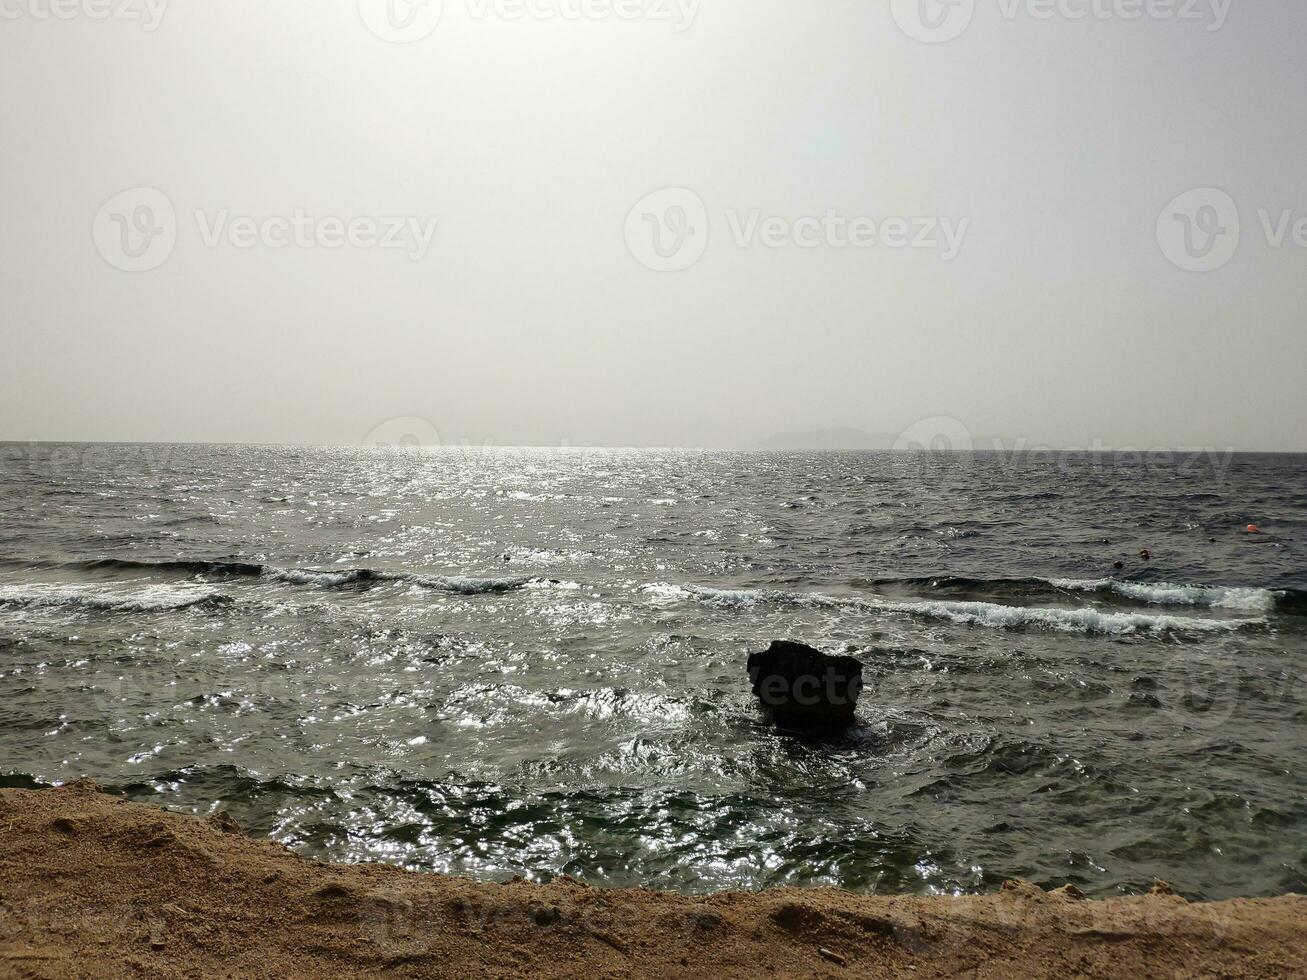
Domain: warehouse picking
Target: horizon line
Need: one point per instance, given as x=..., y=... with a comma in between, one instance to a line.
x=752, y=448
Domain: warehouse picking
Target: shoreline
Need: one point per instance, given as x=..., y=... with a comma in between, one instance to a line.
x=91, y=884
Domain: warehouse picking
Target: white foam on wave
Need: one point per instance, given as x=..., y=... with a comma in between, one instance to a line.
x=149, y=598
x=306, y=576
x=1164, y=593
x=467, y=584
x=733, y=597
x=1085, y=620
x=988, y=614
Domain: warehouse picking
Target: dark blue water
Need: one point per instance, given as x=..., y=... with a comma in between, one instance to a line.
x=532, y=661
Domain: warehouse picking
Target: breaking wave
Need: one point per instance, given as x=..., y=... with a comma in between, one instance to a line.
x=1163, y=593
x=1251, y=598
x=1084, y=620
x=989, y=614
x=155, y=598
x=469, y=585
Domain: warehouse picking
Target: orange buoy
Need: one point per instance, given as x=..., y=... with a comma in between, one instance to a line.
x=1253, y=529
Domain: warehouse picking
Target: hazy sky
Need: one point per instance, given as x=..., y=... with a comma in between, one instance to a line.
x=564, y=294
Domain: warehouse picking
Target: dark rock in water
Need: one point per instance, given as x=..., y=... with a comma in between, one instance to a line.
x=805, y=688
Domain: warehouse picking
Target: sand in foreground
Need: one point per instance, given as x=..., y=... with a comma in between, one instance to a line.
x=91, y=885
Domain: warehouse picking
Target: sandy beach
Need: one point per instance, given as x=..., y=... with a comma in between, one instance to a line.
x=93, y=885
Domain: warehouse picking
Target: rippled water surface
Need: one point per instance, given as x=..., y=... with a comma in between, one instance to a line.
x=532, y=661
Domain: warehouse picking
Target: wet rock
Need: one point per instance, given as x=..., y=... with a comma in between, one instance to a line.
x=803, y=688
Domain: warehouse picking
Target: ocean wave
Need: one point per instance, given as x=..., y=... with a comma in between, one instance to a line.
x=154, y=598
x=215, y=568
x=1252, y=598
x=319, y=578
x=460, y=584
x=1085, y=620
x=466, y=584
x=989, y=614
x=322, y=579
x=1164, y=593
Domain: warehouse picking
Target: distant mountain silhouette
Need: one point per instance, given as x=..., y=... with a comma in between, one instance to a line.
x=827, y=439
